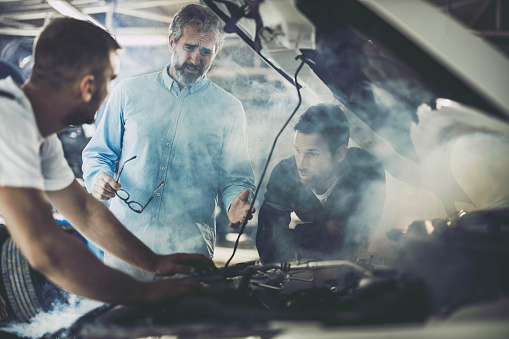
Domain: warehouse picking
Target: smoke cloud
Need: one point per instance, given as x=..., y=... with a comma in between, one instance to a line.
x=62, y=315
x=383, y=107
x=268, y=101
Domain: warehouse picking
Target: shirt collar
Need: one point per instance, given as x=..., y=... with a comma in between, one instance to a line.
x=170, y=83
x=12, y=89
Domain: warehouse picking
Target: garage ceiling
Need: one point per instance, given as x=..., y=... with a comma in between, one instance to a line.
x=129, y=19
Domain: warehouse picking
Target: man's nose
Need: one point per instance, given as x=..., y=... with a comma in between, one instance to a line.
x=301, y=161
x=194, y=57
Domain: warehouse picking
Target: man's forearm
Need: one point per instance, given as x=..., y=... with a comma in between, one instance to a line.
x=104, y=230
x=73, y=267
x=62, y=258
x=98, y=225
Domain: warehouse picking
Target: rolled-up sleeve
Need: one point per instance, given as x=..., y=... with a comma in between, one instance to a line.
x=103, y=150
x=236, y=170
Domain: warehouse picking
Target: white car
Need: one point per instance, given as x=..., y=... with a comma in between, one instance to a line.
x=431, y=101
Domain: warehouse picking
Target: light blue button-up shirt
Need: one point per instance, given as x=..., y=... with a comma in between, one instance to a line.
x=193, y=139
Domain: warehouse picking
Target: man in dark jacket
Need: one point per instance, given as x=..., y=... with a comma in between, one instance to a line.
x=326, y=201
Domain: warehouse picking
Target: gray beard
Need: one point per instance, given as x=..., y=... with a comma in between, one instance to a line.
x=187, y=78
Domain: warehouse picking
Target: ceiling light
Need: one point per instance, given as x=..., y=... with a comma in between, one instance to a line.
x=65, y=8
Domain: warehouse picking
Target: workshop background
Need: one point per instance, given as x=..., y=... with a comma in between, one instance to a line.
x=141, y=27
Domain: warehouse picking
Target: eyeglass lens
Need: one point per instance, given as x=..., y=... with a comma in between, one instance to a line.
x=124, y=195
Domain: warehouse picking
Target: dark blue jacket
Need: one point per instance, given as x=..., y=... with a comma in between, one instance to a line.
x=356, y=202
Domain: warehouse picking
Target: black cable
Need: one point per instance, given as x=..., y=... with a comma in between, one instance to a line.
x=244, y=36
x=244, y=223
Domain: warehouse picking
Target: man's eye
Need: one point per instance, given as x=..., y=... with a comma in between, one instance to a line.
x=189, y=48
x=206, y=52
x=313, y=154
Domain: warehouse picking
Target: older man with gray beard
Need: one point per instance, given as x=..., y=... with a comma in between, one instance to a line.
x=178, y=140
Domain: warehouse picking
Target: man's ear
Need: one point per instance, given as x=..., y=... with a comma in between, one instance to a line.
x=340, y=153
x=87, y=85
x=171, y=43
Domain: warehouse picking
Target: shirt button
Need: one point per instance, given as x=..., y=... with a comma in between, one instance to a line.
x=164, y=168
x=167, y=144
x=180, y=99
x=158, y=194
x=153, y=219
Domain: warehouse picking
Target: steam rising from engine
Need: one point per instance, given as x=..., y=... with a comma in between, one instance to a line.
x=62, y=315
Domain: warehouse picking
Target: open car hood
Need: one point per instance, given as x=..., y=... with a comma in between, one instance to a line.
x=403, y=71
x=357, y=43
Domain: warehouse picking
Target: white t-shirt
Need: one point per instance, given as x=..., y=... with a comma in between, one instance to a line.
x=323, y=197
x=26, y=158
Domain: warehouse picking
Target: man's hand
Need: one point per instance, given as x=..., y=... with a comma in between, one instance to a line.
x=170, y=288
x=105, y=187
x=186, y=263
x=239, y=208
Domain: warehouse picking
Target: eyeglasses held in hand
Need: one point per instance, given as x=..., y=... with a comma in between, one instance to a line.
x=123, y=195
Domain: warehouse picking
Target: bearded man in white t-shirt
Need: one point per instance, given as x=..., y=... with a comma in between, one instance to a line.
x=74, y=63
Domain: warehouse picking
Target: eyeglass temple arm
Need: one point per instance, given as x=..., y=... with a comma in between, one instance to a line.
x=153, y=194
x=122, y=168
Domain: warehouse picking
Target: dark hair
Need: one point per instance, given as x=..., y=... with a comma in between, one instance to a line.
x=328, y=120
x=67, y=49
x=201, y=18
